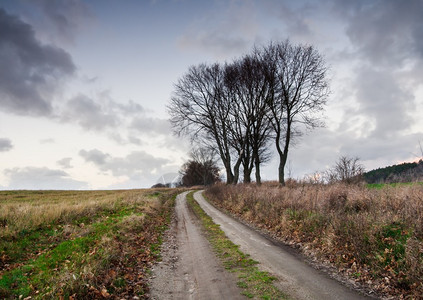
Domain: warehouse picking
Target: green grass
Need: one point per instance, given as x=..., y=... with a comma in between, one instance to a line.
x=391, y=243
x=382, y=185
x=39, y=272
x=84, y=255
x=255, y=283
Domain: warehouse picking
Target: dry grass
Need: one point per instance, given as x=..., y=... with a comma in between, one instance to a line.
x=84, y=244
x=374, y=236
x=27, y=210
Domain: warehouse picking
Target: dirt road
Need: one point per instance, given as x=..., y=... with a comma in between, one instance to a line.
x=296, y=278
x=190, y=269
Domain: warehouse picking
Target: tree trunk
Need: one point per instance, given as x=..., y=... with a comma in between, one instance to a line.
x=236, y=171
x=281, y=170
x=258, y=177
x=229, y=176
x=282, y=163
x=247, y=175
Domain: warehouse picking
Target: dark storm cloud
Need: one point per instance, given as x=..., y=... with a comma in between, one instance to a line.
x=386, y=47
x=29, y=70
x=384, y=32
x=5, y=145
x=41, y=178
x=135, y=164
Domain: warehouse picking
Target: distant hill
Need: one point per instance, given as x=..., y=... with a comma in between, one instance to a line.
x=405, y=172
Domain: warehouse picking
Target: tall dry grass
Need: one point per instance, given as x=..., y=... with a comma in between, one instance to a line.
x=375, y=236
x=28, y=210
x=80, y=244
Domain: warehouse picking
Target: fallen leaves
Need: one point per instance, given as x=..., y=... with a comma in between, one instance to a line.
x=375, y=247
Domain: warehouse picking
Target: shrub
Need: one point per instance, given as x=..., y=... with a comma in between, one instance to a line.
x=373, y=235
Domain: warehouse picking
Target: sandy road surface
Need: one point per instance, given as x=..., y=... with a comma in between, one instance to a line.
x=296, y=278
x=189, y=268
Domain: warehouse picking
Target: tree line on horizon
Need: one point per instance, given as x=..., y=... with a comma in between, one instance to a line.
x=240, y=109
x=405, y=172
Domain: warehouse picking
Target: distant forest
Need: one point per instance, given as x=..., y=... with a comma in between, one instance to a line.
x=405, y=172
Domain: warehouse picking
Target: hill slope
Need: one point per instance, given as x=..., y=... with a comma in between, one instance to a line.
x=405, y=172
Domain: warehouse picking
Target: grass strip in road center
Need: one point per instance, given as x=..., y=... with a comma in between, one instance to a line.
x=255, y=283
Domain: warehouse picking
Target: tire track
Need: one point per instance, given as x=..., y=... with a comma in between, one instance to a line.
x=189, y=268
x=296, y=278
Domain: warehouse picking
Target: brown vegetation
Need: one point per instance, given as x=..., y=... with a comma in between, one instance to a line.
x=374, y=236
x=80, y=244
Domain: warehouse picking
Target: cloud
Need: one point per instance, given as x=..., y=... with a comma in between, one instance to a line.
x=47, y=141
x=89, y=114
x=151, y=126
x=383, y=103
x=385, y=55
x=122, y=122
x=65, y=163
x=296, y=17
x=41, y=179
x=64, y=17
x=29, y=70
x=102, y=113
x=137, y=164
x=228, y=30
x=321, y=148
x=387, y=32
x=130, y=108
x=95, y=156
x=5, y=145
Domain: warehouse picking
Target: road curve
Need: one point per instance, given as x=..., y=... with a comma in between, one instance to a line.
x=189, y=268
x=296, y=278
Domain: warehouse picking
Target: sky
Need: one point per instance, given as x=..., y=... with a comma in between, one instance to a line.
x=84, y=84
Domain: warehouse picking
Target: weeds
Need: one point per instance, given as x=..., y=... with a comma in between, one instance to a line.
x=374, y=236
x=73, y=244
x=256, y=283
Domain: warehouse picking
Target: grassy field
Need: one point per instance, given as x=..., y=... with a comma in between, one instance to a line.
x=381, y=185
x=80, y=244
x=372, y=235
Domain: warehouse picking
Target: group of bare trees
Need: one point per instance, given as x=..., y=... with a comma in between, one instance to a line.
x=242, y=108
x=200, y=169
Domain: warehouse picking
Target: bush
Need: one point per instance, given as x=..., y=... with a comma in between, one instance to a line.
x=197, y=173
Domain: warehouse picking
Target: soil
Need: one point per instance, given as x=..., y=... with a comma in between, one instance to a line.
x=295, y=276
x=189, y=269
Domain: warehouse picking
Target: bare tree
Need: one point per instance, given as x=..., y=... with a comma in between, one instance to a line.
x=275, y=92
x=203, y=155
x=200, y=109
x=195, y=173
x=250, y=129
x=201, y=169
x=297, y=75
x=257, y=89
x=347, y=170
